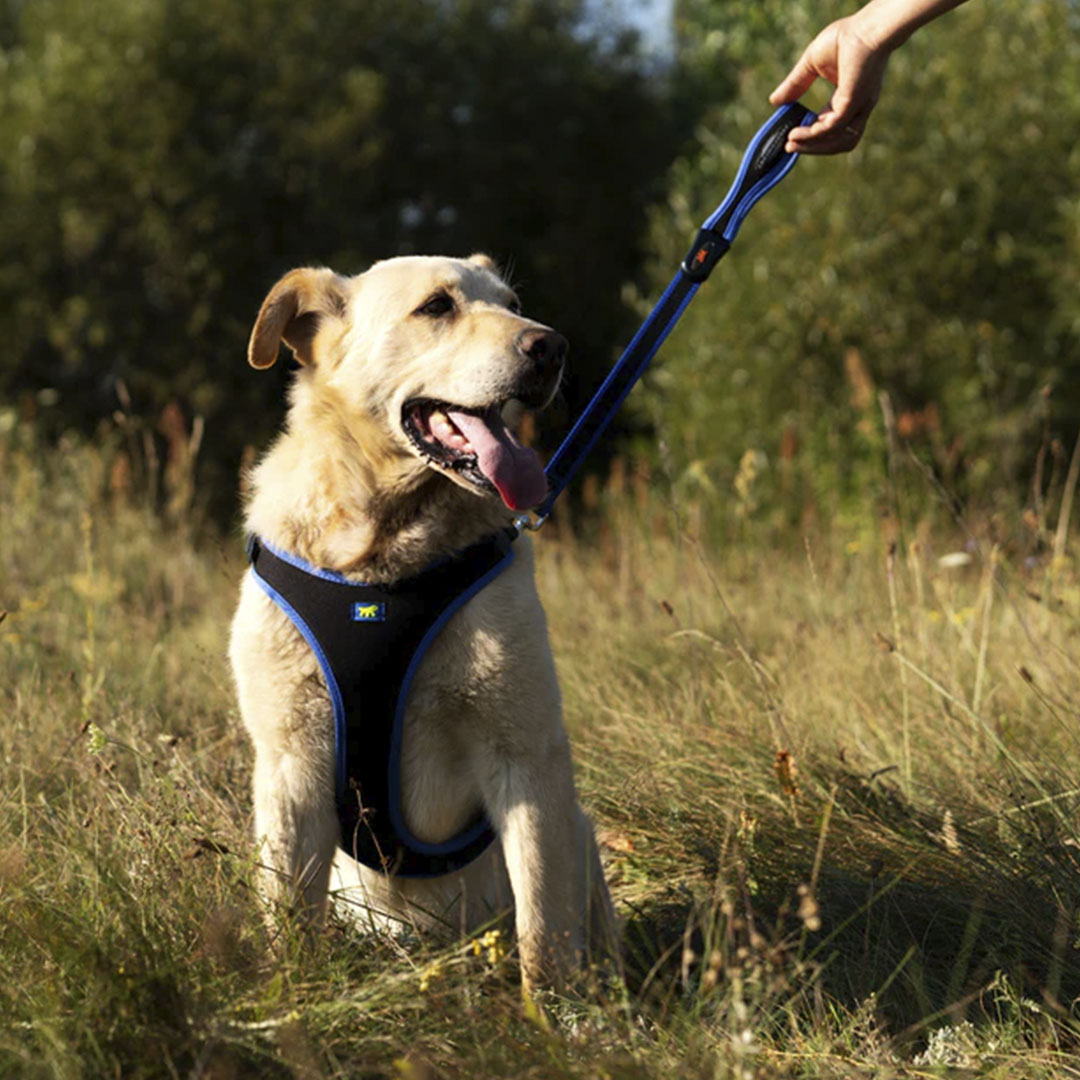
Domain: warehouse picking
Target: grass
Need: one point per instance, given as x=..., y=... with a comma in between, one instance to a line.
x=836, y=787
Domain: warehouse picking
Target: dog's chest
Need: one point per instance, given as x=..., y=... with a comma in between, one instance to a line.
x=464, y=678
x=450, y=727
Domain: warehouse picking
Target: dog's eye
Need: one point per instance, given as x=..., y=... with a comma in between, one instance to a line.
x=439, y=305
x=515, y=306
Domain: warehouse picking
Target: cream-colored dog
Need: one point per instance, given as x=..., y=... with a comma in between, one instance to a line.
x=395, y=453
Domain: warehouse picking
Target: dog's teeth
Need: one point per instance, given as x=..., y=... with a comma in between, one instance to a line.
x=444, y=429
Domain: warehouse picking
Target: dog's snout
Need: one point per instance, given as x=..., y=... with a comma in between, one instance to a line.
x=545, y=348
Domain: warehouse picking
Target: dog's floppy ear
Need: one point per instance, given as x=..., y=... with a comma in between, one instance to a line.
x=292, y=313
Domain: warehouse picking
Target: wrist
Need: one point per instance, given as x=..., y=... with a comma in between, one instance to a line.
x=883, y=25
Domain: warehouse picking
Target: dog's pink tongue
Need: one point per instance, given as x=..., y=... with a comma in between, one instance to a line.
x=513, y=469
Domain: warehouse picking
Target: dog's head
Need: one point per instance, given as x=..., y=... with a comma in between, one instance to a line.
x=424, y=354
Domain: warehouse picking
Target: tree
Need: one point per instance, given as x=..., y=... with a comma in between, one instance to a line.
x=161, y=163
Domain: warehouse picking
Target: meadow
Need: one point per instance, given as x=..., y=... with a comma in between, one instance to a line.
x=816, y=630
x=833, y=771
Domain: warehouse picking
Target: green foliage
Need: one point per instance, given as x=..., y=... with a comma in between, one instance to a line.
x=162, y=163
x=937, y=264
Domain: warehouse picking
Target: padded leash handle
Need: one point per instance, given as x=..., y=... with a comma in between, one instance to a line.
x=763, y=166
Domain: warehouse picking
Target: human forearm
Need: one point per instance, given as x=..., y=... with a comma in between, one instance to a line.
x=886, y=24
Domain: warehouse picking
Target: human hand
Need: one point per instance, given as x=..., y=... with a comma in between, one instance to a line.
x=842, y=54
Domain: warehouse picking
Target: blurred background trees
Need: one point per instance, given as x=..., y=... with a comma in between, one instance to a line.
x=163, y=161
x=937, y=266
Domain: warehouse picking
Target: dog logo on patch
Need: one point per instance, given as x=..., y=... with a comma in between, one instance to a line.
x=369, y=612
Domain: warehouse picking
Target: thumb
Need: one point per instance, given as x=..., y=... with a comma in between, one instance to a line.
x=799, y=80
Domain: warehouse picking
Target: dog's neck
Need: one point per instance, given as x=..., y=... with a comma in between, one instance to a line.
x=350, y=500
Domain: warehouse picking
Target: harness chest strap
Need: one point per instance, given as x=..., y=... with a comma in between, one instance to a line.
x=369, y=641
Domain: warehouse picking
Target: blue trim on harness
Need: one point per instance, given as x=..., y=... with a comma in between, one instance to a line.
x=303, y=564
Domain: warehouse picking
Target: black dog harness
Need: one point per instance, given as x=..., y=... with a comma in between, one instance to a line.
x=369, y=641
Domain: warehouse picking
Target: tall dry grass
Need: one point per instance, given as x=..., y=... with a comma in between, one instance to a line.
x=836, y=786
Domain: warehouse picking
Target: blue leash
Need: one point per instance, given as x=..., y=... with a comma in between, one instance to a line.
x=764, y=165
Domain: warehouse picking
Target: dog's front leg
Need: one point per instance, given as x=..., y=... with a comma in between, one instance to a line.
x=544, y=838
x=288, y=715
x=296, y=823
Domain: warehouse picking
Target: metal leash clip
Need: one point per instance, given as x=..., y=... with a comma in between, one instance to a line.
x=527, y=523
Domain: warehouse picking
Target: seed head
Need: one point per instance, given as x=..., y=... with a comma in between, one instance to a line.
x=786, y=773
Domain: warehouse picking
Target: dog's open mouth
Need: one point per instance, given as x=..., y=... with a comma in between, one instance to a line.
x=478, y=446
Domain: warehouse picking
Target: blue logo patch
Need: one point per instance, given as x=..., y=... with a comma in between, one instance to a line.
x=369, y=613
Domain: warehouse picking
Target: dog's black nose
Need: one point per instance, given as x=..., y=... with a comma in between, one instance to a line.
x=545, y=348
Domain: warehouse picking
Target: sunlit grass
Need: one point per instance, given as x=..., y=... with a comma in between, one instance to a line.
x=836, y=788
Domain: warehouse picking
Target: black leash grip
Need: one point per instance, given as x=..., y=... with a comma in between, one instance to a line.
x=769, y=151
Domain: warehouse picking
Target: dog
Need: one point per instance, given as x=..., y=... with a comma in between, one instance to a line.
x=396, y=453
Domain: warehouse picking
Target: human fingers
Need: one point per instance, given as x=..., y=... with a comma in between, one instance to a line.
x=824, y=124
x=817, y=61
x=842, y=55
x=837, y=135
x=797, y=82
x=829, y=123
x=841, y=141
x=857, y=92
